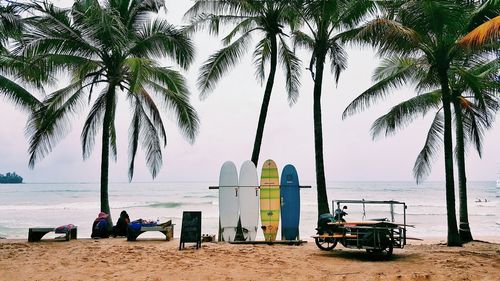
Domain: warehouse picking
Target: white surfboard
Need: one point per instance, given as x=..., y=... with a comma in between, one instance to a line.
x=249, y=200
x=228, y=201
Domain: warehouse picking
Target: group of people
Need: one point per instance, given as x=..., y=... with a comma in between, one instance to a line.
x=102, y=227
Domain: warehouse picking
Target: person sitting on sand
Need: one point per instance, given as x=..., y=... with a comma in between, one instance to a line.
x=100, y=227
x=120, y=229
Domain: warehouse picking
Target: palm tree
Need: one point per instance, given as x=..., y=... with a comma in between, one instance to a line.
x=480, y=83
x=109, y=49
x=14, y=69
x=425, y=31
x=324, y=19
x=267, y=19
x=475, y=105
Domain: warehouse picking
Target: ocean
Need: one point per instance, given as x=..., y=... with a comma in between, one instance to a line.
x=53, y=204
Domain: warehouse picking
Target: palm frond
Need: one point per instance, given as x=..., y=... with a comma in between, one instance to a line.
x=143, y=130
x=338, y=59
x=161, y=39
x=429, y=152
x=18, y=95
x=93, y=124
x=488, y=32
x=391, y=74
x=214, y=24
x=302, y=40
x=49, y=124
x=215, y=7
x=219, y=63
x=291, y=65
x=476, y=120
x=170, y=86
x=388, y=36
x=404, y=113
x=262, y=54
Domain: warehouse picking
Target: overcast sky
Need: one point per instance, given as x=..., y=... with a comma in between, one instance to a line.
x=228, y=124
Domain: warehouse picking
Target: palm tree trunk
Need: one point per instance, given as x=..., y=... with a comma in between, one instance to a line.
x=464, y=229
x=453, y=237
x=322, y=196
x=108, y=118
x=265, y=102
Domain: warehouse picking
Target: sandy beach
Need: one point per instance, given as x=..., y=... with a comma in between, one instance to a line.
x=147, y=259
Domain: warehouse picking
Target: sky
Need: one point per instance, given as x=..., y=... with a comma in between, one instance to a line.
x=228, y=123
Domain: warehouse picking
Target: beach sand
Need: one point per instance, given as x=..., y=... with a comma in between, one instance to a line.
x=147, y=259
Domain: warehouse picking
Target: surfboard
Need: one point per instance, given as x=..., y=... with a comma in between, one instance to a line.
x=269, y=200
x=248, y=196
x=290, y=203
x=228, y=201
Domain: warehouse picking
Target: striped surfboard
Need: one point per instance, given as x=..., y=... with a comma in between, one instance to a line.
x=269, y=200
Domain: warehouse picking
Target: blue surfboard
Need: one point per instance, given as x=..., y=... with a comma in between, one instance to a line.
x=290, y=203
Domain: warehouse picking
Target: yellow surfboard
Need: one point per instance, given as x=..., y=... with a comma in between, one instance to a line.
x=270, y=200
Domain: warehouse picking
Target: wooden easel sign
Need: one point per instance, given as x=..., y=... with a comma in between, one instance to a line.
x=191, y=229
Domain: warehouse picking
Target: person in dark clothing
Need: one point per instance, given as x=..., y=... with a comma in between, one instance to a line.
x=120, y=229
x=100, y=227
x=340, y=213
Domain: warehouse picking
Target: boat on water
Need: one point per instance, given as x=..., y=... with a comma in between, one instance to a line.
x=10, y=178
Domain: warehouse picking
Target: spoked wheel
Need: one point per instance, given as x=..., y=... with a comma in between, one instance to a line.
x=325, y=244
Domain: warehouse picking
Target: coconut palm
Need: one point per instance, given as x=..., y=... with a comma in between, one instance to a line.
x=426, y=31
x=14, y=69
x=109, y=49
x=324, y=20
x=265, y=19
x=471, y=118
x=474, y=102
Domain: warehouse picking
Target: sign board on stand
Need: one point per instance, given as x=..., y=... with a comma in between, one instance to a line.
x=191, y=229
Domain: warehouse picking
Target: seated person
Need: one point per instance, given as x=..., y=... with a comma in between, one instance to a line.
x=340, y=213
x=120, y=229
x=101, y=227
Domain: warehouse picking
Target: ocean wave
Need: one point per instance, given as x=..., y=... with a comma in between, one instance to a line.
x=65, y=190
x=63, y=206
x=166, y=205
x=444, y=214
x=172, y=205
x=204, y=196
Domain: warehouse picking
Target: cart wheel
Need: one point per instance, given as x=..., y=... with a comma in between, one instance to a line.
x=385, y=253
x=325, y=244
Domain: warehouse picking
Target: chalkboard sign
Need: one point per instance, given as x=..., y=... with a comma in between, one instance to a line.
x=191, y=229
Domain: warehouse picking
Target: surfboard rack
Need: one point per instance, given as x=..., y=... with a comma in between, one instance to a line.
x=217, y=187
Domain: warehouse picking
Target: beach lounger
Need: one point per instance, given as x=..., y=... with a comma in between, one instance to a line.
x=166, y=228
x=36, y=233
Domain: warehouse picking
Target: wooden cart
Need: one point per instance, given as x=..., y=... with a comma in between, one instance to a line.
x=379, y=236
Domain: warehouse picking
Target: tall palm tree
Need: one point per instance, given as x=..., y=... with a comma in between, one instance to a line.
x=265, y=18
x=479, y=83
x=324, y=20
x=109, y=49
x=426, y=31
x=15, y=69
x=473, y=88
